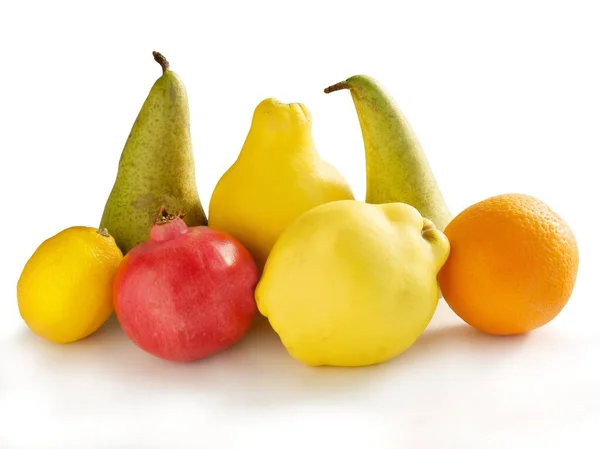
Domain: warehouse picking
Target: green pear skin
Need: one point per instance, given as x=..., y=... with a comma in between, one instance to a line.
x=156, y=169
x=397, y=169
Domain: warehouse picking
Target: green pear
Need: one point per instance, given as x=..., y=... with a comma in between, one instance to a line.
x=156, y=169
x=397, y=167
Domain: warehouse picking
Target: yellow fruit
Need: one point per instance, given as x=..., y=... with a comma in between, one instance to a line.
x=64, y=291
x=352, y=284
x=277, y=176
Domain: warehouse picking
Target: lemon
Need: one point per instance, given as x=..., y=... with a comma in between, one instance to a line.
x=65, y=290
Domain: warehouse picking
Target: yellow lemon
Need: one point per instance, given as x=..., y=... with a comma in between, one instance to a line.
x=65, y=290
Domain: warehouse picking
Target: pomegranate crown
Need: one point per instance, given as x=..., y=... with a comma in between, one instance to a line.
x=164, y=216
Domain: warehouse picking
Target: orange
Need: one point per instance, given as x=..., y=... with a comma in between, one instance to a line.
x=512, y=264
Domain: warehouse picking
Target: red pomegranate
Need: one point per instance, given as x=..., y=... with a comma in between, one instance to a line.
x=187, y=292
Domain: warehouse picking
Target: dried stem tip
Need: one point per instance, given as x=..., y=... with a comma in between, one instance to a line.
x=337, y=86
x=103, y=232
x=158, y=57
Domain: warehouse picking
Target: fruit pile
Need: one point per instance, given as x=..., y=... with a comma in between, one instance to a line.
x=341, y=281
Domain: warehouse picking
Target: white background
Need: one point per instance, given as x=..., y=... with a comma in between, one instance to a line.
x=504, y=97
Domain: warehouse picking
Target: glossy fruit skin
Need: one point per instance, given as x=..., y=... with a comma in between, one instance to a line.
x=64, y=291
x=352, y=284
x=188, y=296
x=512, y=266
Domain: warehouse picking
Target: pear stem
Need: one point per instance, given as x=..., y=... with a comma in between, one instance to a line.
x=337, y=86
x=158, y=57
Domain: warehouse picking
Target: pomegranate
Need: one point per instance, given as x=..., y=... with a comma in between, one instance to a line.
x=187, y=292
